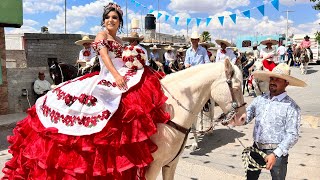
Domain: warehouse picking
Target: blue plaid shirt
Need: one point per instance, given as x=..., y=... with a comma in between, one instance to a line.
x=277, y=121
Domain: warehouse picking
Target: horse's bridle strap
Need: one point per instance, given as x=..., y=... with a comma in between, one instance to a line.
x=178, y=127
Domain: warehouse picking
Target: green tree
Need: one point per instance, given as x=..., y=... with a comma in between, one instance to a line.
x=205, y=36
x=317, y=7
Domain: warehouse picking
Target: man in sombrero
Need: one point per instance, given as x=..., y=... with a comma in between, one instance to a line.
x=87, y=54
x=134, y=40
x=277, y=122
x=268, y=53
x=306, y=43
x=224, y=53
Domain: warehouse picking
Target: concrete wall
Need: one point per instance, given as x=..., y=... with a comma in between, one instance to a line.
x=40, y=47
x=22, y=78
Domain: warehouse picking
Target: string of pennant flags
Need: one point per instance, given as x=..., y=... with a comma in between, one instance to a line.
x=233, y=17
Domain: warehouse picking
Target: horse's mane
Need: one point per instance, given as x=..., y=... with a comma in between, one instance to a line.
x=199, y=73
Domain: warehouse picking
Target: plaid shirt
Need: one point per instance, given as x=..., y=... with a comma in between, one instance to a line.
x=277, y=121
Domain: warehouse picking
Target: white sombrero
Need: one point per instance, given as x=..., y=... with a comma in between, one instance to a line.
x=269, y=40
x=205, y=44
x=133, y=36
x=85, y=39
x=181, y=50
x=282, y=71
x=195, y=35
x=154, y=47
x=224, y=41
x=169, y=48
x=254, y=44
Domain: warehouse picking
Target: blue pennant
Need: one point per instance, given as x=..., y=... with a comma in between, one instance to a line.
x=275, y=4
x=261, y=9
x=198, y=22
x=159, y=15
x=151, y=11
x=208, y=20
x=246, y=13
x=166, y=17
x=176, y=19
x=221, y=19
x=233, y=17
x=188, y=21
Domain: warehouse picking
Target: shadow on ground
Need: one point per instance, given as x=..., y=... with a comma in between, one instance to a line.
x=218, y=138
x=3, y=138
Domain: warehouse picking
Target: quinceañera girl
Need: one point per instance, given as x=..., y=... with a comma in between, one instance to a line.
x=96, y=126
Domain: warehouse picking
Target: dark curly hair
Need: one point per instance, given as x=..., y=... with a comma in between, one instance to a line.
x=106, y=11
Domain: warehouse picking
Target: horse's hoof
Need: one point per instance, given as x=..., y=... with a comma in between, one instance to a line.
x=194, y=147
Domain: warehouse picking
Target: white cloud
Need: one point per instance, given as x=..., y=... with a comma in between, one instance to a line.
x=77, y=17
x=36, y=6
x=208, y=6
x=29, y=22
x=294, y=2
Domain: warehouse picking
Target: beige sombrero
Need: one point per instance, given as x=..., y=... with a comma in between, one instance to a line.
x=269, y=40
x=133, y=36
x=226, y=42
x=181, y=50
x=85, y=39
x=195, y=35
x=154, y=47
x=205, y=44
x=169, y=48
x=282, y=71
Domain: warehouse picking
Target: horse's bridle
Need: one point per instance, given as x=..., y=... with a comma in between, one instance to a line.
x=225, y=118
x=53, y=66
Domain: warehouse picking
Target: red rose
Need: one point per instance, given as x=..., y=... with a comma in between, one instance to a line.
x=82, y=98
x=86, y=53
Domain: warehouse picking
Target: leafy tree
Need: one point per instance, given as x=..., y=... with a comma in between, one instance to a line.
x=205, y=36
x=317, y=7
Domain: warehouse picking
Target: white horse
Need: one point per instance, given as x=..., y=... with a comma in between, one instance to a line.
x=188, y=91
x=259, y=86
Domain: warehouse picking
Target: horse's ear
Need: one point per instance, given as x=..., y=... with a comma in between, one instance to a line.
x=228, y=69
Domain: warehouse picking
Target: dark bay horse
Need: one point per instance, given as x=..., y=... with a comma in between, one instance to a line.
x=61, y=72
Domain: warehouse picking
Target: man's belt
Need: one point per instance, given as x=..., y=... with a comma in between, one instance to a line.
x=266, y=146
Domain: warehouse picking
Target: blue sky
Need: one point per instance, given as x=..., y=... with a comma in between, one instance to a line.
x=84, y=16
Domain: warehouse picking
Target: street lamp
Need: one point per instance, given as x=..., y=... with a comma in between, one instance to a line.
x=287, y=27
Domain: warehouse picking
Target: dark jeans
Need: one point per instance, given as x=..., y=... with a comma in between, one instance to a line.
x=278, y=171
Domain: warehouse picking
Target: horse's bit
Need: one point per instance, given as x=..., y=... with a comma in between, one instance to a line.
x=225, y=118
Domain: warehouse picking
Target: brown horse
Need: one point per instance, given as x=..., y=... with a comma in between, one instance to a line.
x=303, y=57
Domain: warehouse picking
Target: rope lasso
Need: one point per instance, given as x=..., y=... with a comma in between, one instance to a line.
x=248, y=160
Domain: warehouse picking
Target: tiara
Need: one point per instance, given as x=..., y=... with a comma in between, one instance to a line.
x=115, y=6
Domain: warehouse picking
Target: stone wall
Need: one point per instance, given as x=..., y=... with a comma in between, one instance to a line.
x=19, y=80
x=40, y=47
x=4, y=105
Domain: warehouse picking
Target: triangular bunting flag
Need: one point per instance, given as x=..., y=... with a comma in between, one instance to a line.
x=133, y=1
x=233, y=17
x=151, y=11
x=188, y=21
x=198, y=22
x=246, y=13
x=176, y=19
x=208, y=20
x=137, y=4
x=159, y=15
x=275, y=4
x=166, y=17
x=261, y=9
x=221, y=19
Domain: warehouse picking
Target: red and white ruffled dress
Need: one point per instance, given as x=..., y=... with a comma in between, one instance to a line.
x=87, y=128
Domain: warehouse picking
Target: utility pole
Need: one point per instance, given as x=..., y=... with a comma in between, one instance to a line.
x=127, y=18
x=287, y=26
x=65, y=16
x=159, y=20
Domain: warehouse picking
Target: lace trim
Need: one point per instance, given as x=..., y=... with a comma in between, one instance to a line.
x=111, y=45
